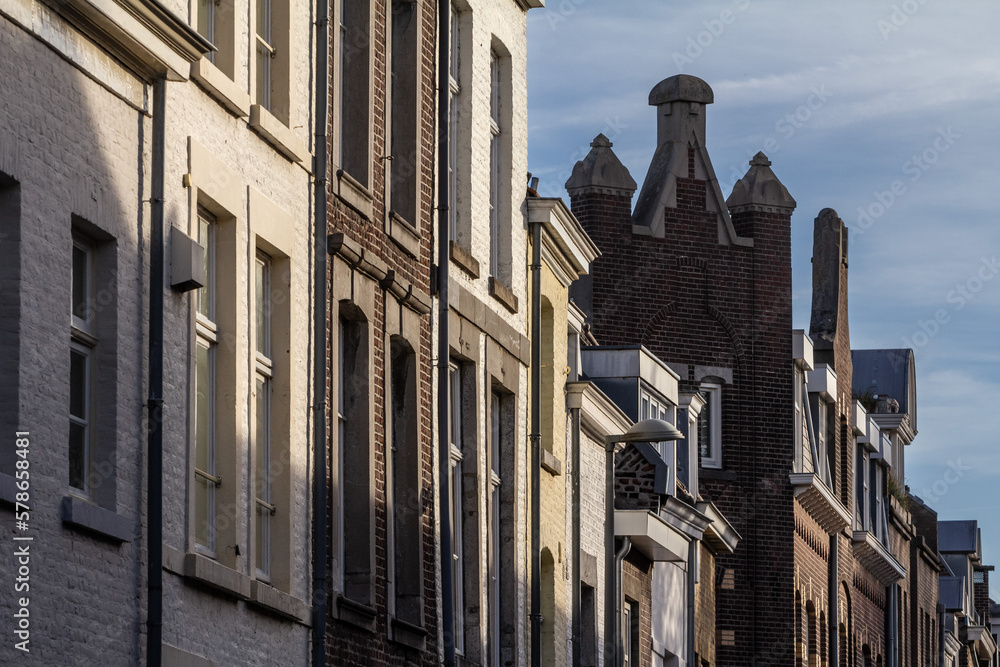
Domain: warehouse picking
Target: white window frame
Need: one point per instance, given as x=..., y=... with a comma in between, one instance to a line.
x=495, y=565
x=207, y=337
x=455, y=483
x=264, y=508
x=454, y=91
x=82, y=343
x=206, y=23
x=713, y=402
x=265, y=51
x=496, y=164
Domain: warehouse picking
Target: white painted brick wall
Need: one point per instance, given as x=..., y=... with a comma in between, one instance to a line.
x=77, y=149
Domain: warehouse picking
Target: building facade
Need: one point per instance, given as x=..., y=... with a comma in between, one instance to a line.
x=156, y=185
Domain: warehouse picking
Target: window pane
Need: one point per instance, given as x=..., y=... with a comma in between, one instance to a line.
x=262, y=294
x=203, y=500
x=203, y=408
x=262, y=481
x=78, y=384
x=206, y=20
x=81, y=280
x=206, y=239
x=263, y=75
x=77, y=456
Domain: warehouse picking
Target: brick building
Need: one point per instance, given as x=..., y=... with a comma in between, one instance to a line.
x=806, y=476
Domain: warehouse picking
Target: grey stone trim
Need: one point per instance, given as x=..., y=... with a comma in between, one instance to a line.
x=355, y=613
x=550, y=463
x=760, y=190
x=278, y=135
x=503, y=294
x=408, y=634
x=371, y=265
x=216, y=575
x=79, y=513
x=588, y=570
x=404, y=234
x=464, y=259
x=600, y=172
x=468, y=306
x=282, y=604
x=7, y=489
x=354, y=194
x=175, y=657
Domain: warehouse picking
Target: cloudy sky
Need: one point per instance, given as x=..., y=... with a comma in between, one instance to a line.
x=887, y=111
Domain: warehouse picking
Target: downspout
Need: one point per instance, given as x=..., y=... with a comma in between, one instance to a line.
x=619, y=598
x=536, y=444
x=892, y=634
x=691, y=580
x=320, y=315
x=154, y=425
x=610, y=611
x=577, y=635
x=444, y=352
x=834, y=592
x=941, y=634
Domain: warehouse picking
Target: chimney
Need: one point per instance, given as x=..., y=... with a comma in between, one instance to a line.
x=829, y=324
x=680, y=109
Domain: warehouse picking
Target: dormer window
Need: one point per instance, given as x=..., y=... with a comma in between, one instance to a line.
x=710, y=426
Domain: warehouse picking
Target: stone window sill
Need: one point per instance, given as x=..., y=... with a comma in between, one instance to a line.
x=78, y=513
x=218, y=85
x=404, y=234
x=282, y=604
x=503, y=294
x=354, y=194
x=277, y=134
x=464, y=259
x=551, y=463
x=217, y=576
x=408, y=634
x=356, y=613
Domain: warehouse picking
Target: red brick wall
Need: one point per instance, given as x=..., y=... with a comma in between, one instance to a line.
x=704, y=626
x=637, y=580
x=693, y=301
x=347, y=644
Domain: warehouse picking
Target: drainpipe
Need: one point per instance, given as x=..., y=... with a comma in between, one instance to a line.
x=892, y=595
x=691, y=580
x=536, y=444
x=154, y=426
x=320, y=315
x=577, y=635
x=619, y=599
x=941, y=633
x=834, y=610
x=444, y=353
x=610, y=612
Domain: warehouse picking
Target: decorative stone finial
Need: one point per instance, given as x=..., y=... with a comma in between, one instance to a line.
x=760, y=190
x=601, y=172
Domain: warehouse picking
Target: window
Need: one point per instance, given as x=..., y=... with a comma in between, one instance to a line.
x=265, y=52
x=630, y=634
x=354, y=92
x=407, y=551
x=455, y=386
x=405, y=110
x=10, y=306
x=820, y=416
x=454, y=91
x=494, y=543
x=263, y=455
x=356, y=516
x=206, y=476
x=710, y=426
x=861, y=515
x=588, y=626
x=81, y=355
x=206, y=23
x=496, y=166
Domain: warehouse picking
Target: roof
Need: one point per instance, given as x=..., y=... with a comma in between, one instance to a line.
x=888, y=373
x=958, y=536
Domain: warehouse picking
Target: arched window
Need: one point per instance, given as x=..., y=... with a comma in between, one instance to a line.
x=812, y=635
x=799, y=643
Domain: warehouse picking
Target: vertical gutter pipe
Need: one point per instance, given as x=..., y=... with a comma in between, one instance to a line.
x=536, y=444
x=320, y=316
x=154, y=405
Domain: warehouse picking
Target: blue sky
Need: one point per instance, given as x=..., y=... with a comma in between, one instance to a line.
x=890, y=108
